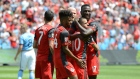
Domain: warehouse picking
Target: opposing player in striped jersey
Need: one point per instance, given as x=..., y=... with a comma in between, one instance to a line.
x=27, y=52
x=43, y=41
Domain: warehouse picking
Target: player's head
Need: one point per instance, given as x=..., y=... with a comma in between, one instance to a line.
x=86, y=11
x=66, y=18
x=73, y=10
x=83, y=22
x=48, y=16
x=23, y=28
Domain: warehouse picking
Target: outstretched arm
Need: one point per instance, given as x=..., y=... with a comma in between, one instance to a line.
x=84, y=31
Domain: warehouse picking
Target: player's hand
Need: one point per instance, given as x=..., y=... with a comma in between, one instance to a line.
x=15, y=58
x=81, y=63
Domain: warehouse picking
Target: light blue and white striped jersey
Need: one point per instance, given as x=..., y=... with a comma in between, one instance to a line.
x=26, y=40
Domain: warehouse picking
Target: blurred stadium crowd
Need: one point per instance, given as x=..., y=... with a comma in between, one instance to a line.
x=119, y=20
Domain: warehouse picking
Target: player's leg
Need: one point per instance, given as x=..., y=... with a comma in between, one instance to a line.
x=93, y=68
x=73, y=77
x=31, y=64
x=31, y=74
x=38, y=70
x=92, y=77
x=66, y=72
x=81, y=73
x=47, y=70
x=20, y=74
x=23, y=63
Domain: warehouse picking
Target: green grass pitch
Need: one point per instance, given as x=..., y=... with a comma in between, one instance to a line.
x=106, y=72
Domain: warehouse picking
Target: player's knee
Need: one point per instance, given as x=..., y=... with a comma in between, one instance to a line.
x=21, y=70
x=31, y=70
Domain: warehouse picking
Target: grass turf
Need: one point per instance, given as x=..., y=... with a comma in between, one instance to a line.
x=106, y=72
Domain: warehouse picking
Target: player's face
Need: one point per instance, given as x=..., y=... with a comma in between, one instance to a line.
x=86, y=12
x=74, y=13
x=84, y=23
x=68, y=21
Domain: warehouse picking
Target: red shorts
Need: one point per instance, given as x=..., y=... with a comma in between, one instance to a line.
x=65, y=71
x=93, y=65
x=44, y=69
x=81, y=73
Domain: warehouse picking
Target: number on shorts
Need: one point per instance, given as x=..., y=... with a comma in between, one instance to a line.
x=94, y=68
x=55, y=41
x=41, y=34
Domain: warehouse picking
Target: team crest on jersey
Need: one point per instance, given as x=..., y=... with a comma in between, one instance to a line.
x=66, y=39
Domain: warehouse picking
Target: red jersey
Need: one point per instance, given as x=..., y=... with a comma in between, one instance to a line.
x=42, y=35
x=79, y=48
x=61, y=38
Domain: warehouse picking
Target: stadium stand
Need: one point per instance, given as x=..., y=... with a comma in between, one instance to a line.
x=119, y=20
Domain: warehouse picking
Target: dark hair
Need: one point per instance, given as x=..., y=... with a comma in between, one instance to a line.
x=84, y=6
x=49, y=15
x=65, y=13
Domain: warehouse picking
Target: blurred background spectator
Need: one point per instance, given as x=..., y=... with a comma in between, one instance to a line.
x=119, y=20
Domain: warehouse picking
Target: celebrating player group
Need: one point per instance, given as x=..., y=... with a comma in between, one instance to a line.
x=70, y=48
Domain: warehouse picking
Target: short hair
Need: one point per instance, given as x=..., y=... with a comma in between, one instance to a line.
x=64, y=14
x=49, y=15
x=80, y=19
x=25, y=26
x=85, y=6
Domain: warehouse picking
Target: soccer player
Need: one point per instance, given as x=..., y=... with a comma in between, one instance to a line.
x=79, y=48
x=86, y=32
x=74, y=12
x=64, y=68
x=92, y=56
x=43, y=41
x=27, y=52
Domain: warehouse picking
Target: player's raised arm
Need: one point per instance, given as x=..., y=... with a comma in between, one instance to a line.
x=84, y=31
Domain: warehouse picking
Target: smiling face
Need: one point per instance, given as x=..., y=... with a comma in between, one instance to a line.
x=86, y=12
x=68, y=21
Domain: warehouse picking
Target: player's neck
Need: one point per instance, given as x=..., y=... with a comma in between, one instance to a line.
x=49, y=23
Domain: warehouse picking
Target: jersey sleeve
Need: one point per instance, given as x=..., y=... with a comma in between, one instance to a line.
x=64, y=37
x=51, y=34
x=21, y=40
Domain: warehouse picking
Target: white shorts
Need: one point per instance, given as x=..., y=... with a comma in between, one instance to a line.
x=27, y=59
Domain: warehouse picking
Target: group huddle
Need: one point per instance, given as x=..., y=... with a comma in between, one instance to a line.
x=70, y=48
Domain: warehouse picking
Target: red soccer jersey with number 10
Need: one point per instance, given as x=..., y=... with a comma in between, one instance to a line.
x=78, y=48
